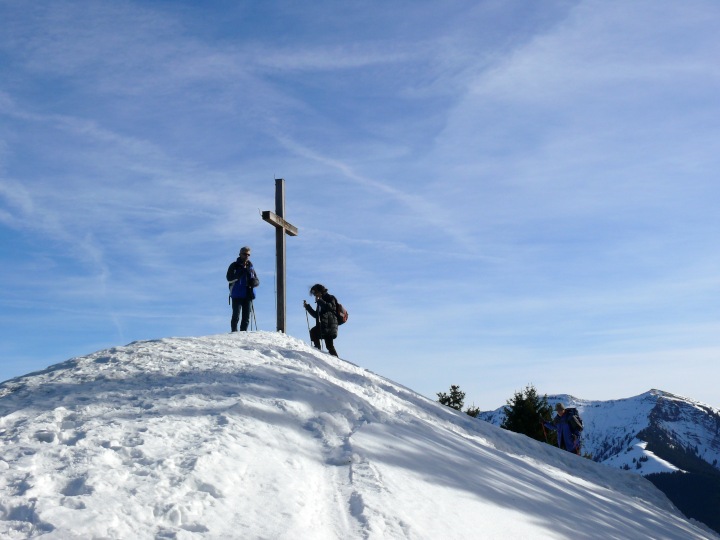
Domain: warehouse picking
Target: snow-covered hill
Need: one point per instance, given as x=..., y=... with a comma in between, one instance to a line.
x=257, y=435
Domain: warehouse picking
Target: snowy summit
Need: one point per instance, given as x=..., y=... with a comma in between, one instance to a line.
x=261, y=436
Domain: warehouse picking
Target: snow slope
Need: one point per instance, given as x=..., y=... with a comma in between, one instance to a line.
x=257, y=435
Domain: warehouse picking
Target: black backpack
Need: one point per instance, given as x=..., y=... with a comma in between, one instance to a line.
x=574, y=420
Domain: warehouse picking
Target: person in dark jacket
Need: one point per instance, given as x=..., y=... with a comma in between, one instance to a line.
x=325, y=315
x=567, y=437
x=242, y=281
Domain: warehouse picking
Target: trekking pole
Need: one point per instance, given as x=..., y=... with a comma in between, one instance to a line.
x=252, y=312
x=544, y=432
x=319, y=324
x=307, y=318
x=309, y=331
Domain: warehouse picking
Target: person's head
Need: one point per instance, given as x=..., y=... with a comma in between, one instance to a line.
x=244, y=253
x=560, y=408
x=317, y=290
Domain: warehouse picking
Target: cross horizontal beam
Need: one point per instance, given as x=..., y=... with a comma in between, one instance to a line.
x=280, y=223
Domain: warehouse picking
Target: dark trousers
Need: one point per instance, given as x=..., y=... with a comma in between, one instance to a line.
x=315, y=338
x=239, y=304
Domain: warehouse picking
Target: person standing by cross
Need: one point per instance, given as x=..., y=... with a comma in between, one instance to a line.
x=242, y=281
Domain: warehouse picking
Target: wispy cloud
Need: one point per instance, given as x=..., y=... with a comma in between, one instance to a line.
x=422, y=209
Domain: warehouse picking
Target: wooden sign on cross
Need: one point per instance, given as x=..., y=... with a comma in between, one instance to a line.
x=282, y=228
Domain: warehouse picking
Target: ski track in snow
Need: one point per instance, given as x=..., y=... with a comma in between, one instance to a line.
x=260, y=436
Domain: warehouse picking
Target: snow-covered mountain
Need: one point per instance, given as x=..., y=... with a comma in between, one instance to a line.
x=653, y=433
x=616, y=431
x=257, y=435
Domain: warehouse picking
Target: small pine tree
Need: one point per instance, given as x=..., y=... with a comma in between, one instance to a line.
x=455, y=399
x=473, y=411
x=524, y=412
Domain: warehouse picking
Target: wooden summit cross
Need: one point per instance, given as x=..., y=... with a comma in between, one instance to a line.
x=281, y=228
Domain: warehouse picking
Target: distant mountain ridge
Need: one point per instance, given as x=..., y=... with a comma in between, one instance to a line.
x=655, y=434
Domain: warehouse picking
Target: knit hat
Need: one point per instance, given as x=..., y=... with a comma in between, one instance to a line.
x=559, y=407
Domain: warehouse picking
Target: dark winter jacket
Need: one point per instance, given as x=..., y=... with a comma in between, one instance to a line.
x=326, y=316
x=242, y=280
x=567, y=438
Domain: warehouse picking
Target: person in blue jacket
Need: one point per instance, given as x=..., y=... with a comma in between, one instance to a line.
x=567, y=437
x=242, y=281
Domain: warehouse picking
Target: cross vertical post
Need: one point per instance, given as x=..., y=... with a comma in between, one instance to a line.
x=282, y=228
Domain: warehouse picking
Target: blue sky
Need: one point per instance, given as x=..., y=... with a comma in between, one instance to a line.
x=502, y=193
